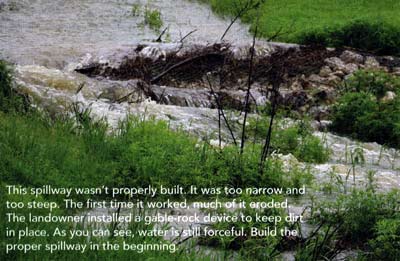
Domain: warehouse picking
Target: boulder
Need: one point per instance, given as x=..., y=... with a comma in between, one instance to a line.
x=335, y=63
x=389, y=96
x=325, y=71
x=371, y=63
x=350, y=68
x=396, y=71
x=351, y=57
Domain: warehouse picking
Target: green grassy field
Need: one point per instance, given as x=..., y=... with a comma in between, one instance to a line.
x=299, y=18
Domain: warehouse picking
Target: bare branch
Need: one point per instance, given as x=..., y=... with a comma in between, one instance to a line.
x=249, y=82
x=221, y=110
x=159, y=39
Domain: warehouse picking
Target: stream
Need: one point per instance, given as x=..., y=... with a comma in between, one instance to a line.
x=48, y=39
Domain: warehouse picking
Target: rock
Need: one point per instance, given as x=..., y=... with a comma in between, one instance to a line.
x=320, y=113
x=339, y=74
x=396, y=71
x=325, y=95
x=351, y=57
x=297, y=85
x=153, y=53
x=389, y=96
x=325, y=71
x=371, y=63
x=295, y=100
x=350, y=68
x=335, y=63
x=331, y=80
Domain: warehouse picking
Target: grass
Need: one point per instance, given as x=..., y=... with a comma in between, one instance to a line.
x=296, y=139
x=152, y=18
x=295, y=19
x=75, y=151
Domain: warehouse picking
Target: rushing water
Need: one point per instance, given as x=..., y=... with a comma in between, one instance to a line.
x=55, y=32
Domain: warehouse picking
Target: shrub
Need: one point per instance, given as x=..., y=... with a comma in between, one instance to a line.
x=296, y=139
x=10, y=101
x=375, y=82
x=364, y=117
x=153, y=19
x=378, y=37
x=386, y=244
x=359, y=213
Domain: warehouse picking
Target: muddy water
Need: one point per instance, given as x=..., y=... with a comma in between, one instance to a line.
x=55, y=32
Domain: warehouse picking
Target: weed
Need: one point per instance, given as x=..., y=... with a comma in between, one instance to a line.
x=136, y=9
x=152, y=18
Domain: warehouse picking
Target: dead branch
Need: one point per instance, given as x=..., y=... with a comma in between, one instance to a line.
x=182, y=63
x=221, y=110
x=187, y=35
x=159, y=39
x=80, y=88
x=249, y=82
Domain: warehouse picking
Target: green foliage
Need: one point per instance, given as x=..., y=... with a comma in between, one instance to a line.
x=362, y=113
x=375, y=82
x=37, y=151
x=378, y=37
x=10, y=101
x=258, y=247
x=368, y=25
x=386, y=244
x=153, y=19
x=359, y=213
x=296, y=139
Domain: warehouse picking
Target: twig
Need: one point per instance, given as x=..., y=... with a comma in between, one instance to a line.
x=267, y=143
x=159, y=39
x=249, y=82
x=173, y=67
x=187, y=35
x=80, y=88
x=221, y=110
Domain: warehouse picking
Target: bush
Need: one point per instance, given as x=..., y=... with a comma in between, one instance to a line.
x=153, y=19
x=386, y=244
x=364, y=115
x=375, y=82
x=10, y=101
x=359, y=213
x=378, y=37
x=296, y=139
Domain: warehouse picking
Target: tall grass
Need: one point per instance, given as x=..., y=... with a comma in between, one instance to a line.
x=296, y=19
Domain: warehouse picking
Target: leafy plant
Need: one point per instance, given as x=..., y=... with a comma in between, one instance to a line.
x=365, y=117
x=152, y=18
x=379, y=37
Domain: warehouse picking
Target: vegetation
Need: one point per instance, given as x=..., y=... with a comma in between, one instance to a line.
x=296, y=139
x=10, y=101
x=378, y=37
x=359, y=213
x=370, y=25
x=136, y=9
x=152, y=18
x=180, y=254
x=364, y=113
x=386, y=243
